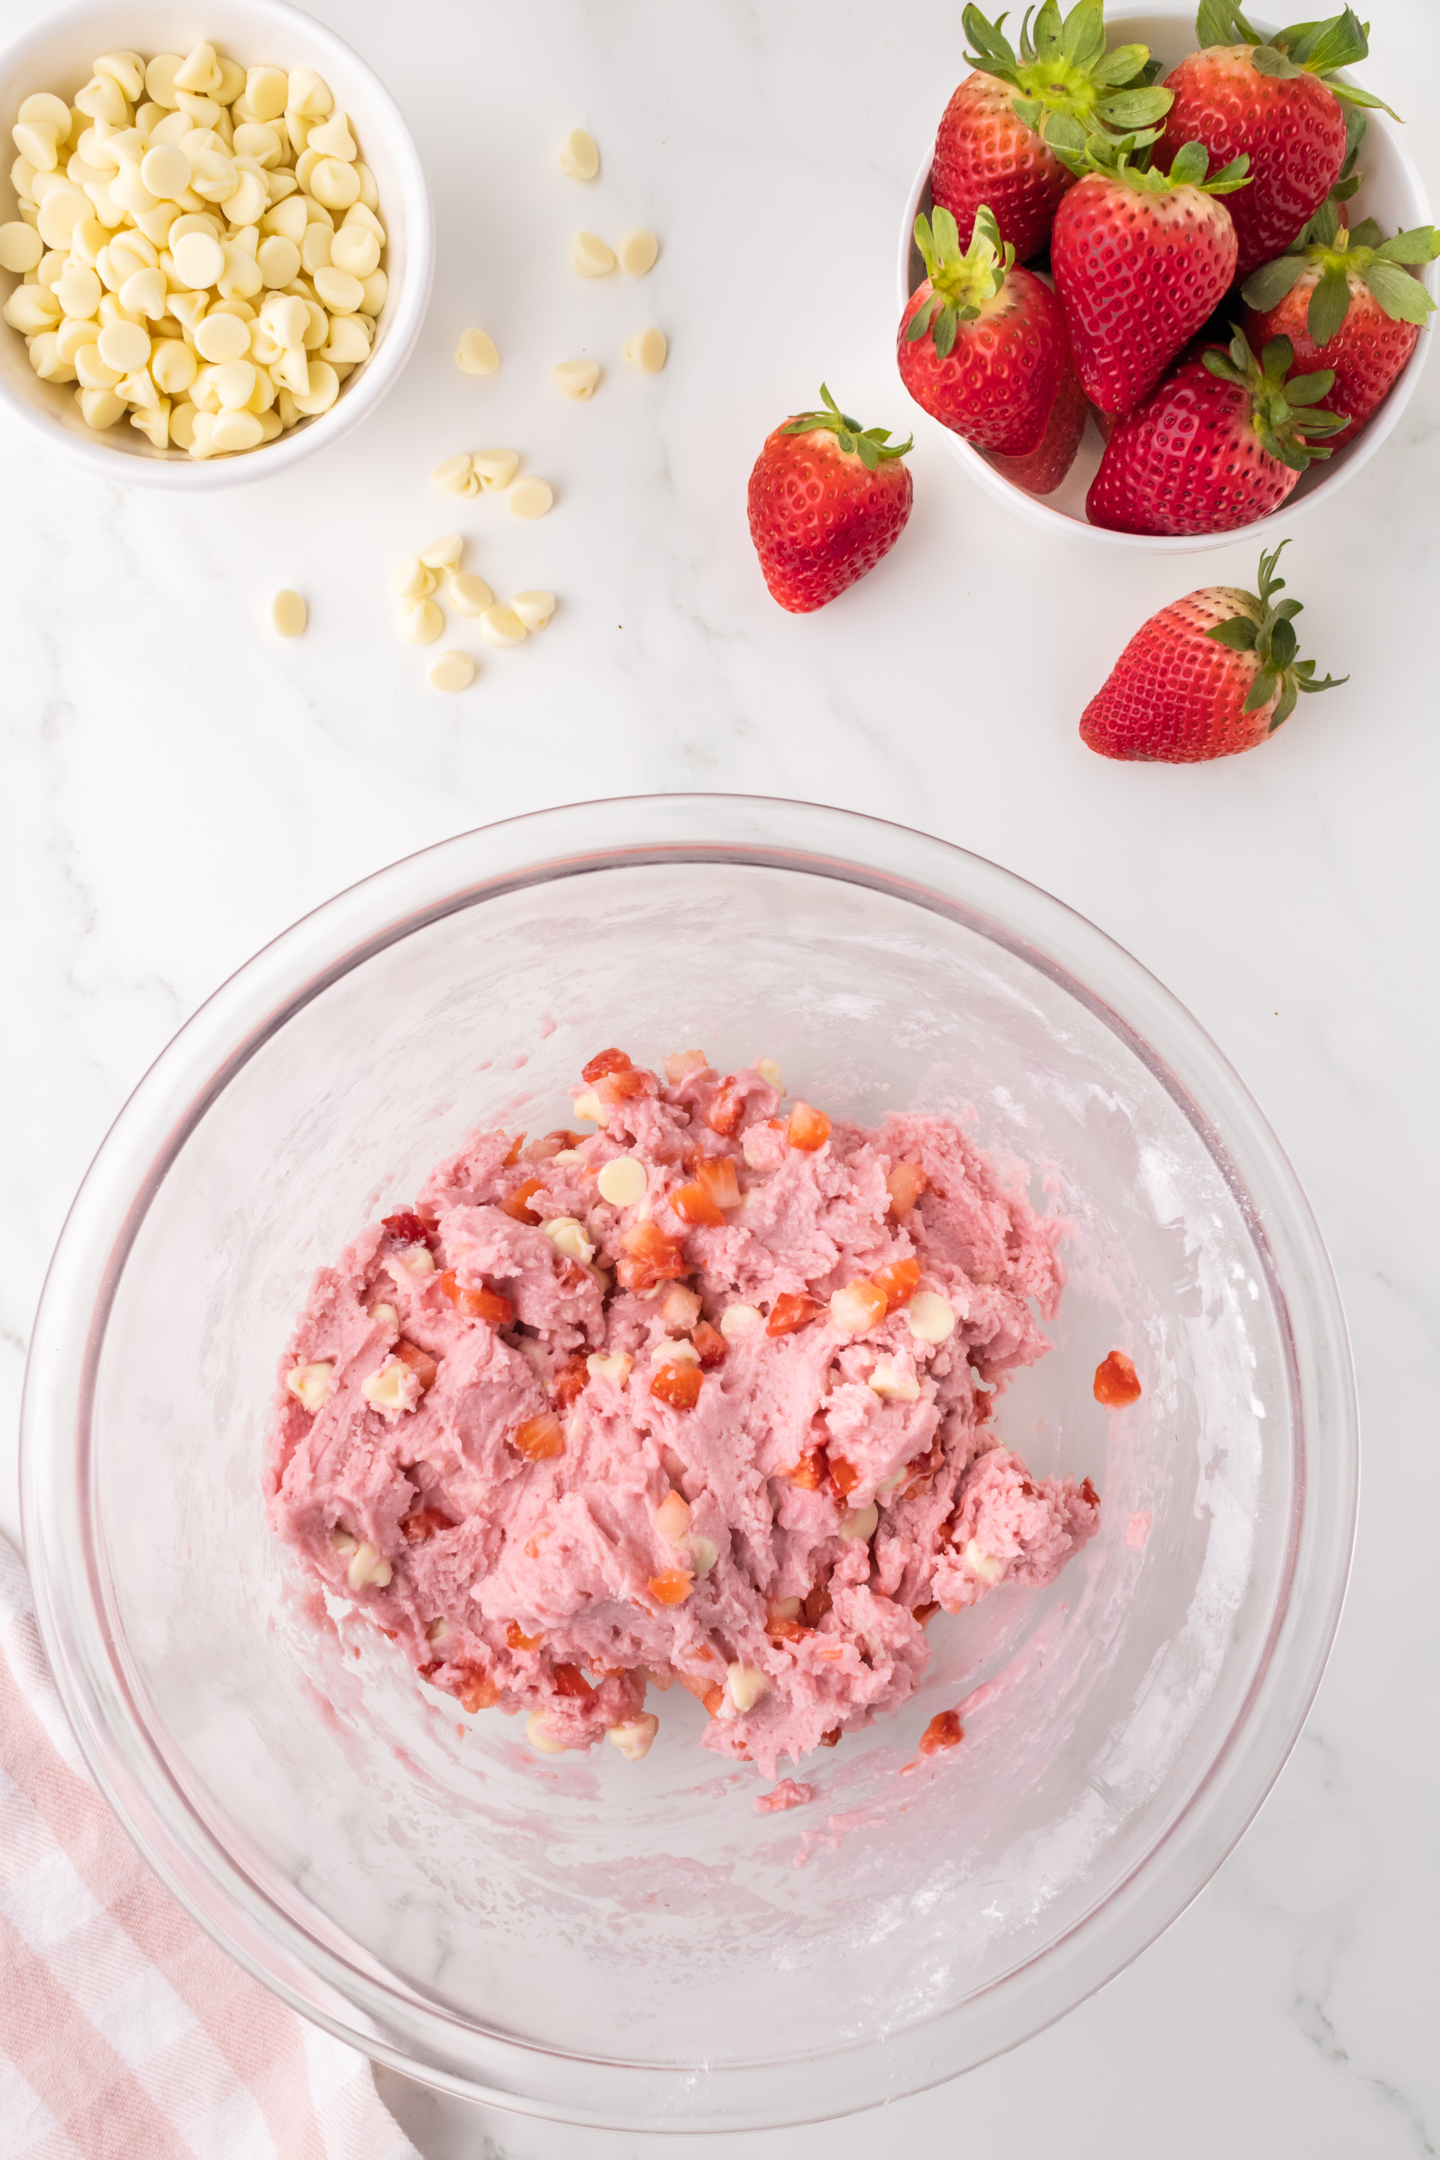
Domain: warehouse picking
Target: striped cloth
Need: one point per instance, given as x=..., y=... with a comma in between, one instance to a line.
x=124, y=2033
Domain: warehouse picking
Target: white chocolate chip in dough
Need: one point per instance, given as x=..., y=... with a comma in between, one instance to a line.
x=533, y=608
x=288, y=614
x=310, y=1384
x=475, y=354
x=444, y=553
x=647, y=351
x=590, y=255
x=746, y=1685
x=500, y=626
x=419, y=622
x=982, y=1565
x=367, y=1568
x=623, y=1181
x=576, y=378
x=468, y=594
x=638, y=251
x=567, y=1235
x=615, y=1368
x=589, y=1108
x=738, y=1321
x=894, y=1385
x=931, y=1318
x=530, y=498
x=861, y=1522
x=540, y=1737
x=452, y=671
x=495, y=469
x=635, y=1736
x=579, y=156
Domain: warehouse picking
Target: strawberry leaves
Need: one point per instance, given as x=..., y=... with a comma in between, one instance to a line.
x=871, y=445
x=960, y=284
x=1382, y=266
x=1279, y=402
x=1064, y=74
x=1309, y=48
x=1270, y=634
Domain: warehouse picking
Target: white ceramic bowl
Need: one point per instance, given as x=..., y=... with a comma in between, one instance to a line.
x=57, y=55
x=1391, y=192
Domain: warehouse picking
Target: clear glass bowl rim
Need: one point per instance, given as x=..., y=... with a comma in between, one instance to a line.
x=363, y=2005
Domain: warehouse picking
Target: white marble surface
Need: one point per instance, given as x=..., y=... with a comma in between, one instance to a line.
x=178, y=786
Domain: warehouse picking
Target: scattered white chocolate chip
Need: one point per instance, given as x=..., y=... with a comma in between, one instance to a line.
x=890, y=1382
x=672, y=1519
x=589, y=1108
x=648, y=351
x=455, y=474
x=366, y=1568
x=579, y=156
x=476, y=354
x=393, y=1387
x=703, y=1555
x=384, y=1315
x=681, y=1309
x=289, y=614
x=567, y=1235
x=769, y=1072
x=419, y=622
x=635, y=1735
x=410, y=1260
x=501, y=626
x=310, y=1384
x=576, y=378
x=452, y=671
x=590, y=255
x=893, y=1483
x=615, y=1368
x=638, y=251
x=533, y=608
x=437, y=1631
x=444, y=553
x=746, y=1686
x=412, y=580
x=21, y=248
x=670, y=1352
x=931, y=1318
x=342, y=1542
x=495, y=469
x=529, y=498
x=861, y=1522
x=852, y=1308
x=786, y=1609
x=468, y=594
x=983, y=1565
x=738, y=1321
x=540, y=1737
x=623, y=1181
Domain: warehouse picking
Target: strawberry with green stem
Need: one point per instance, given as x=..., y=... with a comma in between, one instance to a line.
x=1275, y=101
x=982, y=344
x=827, y=500
x=992, y=146
x=1347, y=301
x=1210, y=675
x=1221, y=441
x=1141, y=258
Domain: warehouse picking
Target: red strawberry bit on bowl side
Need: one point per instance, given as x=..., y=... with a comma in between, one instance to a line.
x=1117, y=1384
x=943, y=1731
x=828, y=500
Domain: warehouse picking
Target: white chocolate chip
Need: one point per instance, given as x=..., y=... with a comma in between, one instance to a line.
x=419, y=622
x=567, y=1235
x=931, y=1318
x=667, y=1351
x=453, y=473
x=476, y=354
x=681, y=1309
x=452, y=671
x=342, y=1542
x=746, y=1686
x=623, y=1181
x=769, y=1072
x=444, y=553
x=634, y=1736
x=366, y=1568
x=392, y=1387
x=590, y=255
x=638, y=251
x=672, y=1519
x=289, y=614
x=412, y=580
x=384, y=1315
x=199, y=260
x=533, y=608
x=529, y=498
x=218, y=337
x=648, y=351
x=889, y=1381
x=576, y=378
x=21, y=248
x=495, y=469
x=579, y=156
x=500, y=626
x=703, y=1555
x=470, y=595
x=310, y=1384
x=738, y=1321
x=615, y=1368
x=589, y=1108
x=861, y=1522
x=355, y=250
x=411, y=1260
x=540, y=1737
x=984, y=1566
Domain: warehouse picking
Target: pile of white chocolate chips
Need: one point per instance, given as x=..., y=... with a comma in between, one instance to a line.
x=200, y=246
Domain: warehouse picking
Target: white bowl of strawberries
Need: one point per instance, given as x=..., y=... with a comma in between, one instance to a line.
x=1072, y=320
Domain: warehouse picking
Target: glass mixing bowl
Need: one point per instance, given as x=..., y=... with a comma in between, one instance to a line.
x=632, y=1945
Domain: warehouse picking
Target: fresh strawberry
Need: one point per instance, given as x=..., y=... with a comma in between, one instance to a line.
x=1043, y=470
x=1209, y=675
x=1141, y=261
x=827, y=500
x=1344, y=300
x=991, y=146
x=982, y=345
x=1221, y=442
x=1270, y=100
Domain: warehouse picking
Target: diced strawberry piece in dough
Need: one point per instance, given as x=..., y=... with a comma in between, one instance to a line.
x=420, y=1362
x=678, y=1385
x=791, y=1310
x=570, y=1681
x=481, y=1304
x=905, y=1184
x=693, y=1204
x=516, y=1206
x=843, y=1476
x=899, y=1282
x=517, y=1639
x=671, y=1587
x=604, y=1062
x=569, y=1383
x=650, y=1258
x=422, y=1523
x=710, y=1344
x=477, y=1691
x=408, y=1227
x=539, y=1438
x=717, y=1175
x=808, y=1129
x=727, y=1109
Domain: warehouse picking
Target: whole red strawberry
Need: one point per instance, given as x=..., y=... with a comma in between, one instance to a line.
x=1221, y=442
x=982, y=345
x=1043, y=470
x=828, y=498
x=1141, y=260
x=1209, y=675
x=1270, y=100
x=1347, y=301
x=991, y=145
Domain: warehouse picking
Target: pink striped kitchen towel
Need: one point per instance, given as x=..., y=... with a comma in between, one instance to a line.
x=124, y=2033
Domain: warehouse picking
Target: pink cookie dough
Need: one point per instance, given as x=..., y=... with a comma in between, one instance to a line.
x=731, y=1426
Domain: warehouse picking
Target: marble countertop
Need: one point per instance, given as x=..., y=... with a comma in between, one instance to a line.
x=179, y=786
